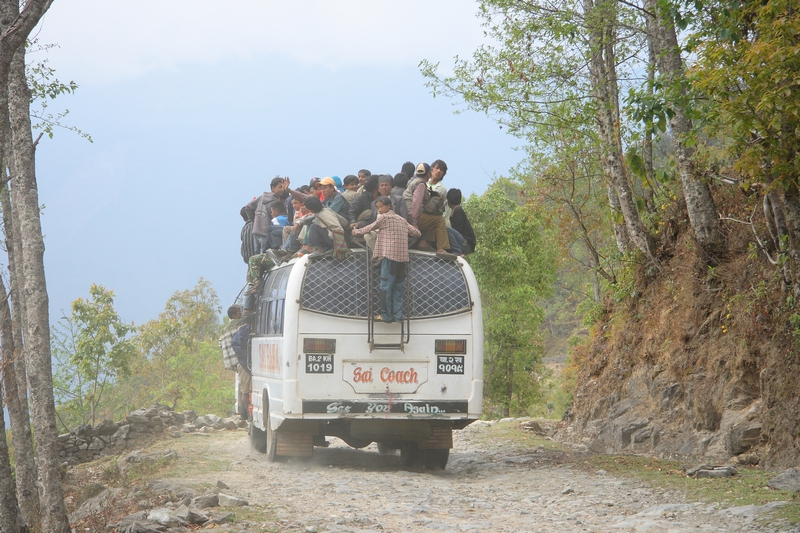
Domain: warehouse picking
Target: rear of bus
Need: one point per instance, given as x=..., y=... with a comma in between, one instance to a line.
x=405, y=385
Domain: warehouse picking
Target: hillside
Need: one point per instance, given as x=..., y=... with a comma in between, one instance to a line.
x=695, y=361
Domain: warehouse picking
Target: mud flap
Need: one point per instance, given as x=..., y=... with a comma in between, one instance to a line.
x=295, y=444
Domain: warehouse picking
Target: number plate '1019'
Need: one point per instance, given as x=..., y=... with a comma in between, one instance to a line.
x=319, y=363
x=450, y=364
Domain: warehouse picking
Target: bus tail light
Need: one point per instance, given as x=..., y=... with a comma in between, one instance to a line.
x=450, y=346
x=319, y=345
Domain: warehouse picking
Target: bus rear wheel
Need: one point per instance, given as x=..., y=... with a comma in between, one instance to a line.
x=436, y=459
x=409, y=454
x=385, y=448
x=258, y=438
x=271, y=440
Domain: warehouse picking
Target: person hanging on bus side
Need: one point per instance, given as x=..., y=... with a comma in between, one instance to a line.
x=391, y=246
x=256, y=267
x=234, y=353
x=247, y=249
x=432, y=226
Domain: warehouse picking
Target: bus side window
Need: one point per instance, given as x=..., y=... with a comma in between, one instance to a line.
x=273, y=306
x=276, y=317
x=263, y=317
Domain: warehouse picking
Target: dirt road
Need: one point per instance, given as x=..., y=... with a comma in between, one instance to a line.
x=486, y=487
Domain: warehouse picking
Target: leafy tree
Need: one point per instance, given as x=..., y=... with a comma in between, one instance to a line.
x=173, y=351
x=746, y=81
x=45, y=87
x=91, y=350
x=515, y=267
x=553, y=71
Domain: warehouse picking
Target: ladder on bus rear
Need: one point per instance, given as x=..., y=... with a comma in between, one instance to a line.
x=405, y=324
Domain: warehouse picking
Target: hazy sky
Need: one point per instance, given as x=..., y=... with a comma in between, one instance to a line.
x=194, y=108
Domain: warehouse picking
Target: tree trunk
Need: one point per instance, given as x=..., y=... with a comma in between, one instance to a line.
x=10, y=519
x=648, y=135
x=620, y=230
x=700, y=205
x=22, y=440
x=25, y=200
x=509, y=389
x=14, y=250
x=791, y=203
x=600, y=20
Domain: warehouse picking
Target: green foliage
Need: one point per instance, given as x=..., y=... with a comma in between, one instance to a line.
x=178, y=362
x=45, y=87
x=747, y=77
x=90, y=352
x=515, y=268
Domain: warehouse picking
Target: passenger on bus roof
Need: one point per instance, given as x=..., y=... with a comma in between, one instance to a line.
x=408, y=169
x=291, y=234
x=399, y=183
x=359, y=208
x=330, y=197
x=262, y=215
x=350, y=187
x=432, y=226
x=363, y=174
x=313, y=188
x=279, y=220
x=391, y=246
x=385, y=188
x=459, y=221
x=326, y=230
x=438, y=171
x=398, y=206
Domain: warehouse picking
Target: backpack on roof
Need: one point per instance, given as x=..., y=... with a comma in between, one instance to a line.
x=432, y=202
x=434, y=205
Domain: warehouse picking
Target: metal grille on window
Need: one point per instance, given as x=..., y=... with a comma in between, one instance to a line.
x=437, y=287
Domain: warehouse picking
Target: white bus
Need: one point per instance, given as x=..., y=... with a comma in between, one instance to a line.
x=322, y=366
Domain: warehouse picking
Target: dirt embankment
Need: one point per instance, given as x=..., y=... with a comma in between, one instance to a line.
x=696, y=361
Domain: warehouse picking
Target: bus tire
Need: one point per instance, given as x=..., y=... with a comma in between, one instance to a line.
x=385, y=448
x=409, y=454
x=271, y=440
x=436, y=459
x=258, y=438
x=357, y=443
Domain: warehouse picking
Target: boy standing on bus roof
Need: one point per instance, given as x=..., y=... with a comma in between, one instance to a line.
x=392, y=246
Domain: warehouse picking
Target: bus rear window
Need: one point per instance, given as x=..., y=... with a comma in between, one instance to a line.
x=435, y=287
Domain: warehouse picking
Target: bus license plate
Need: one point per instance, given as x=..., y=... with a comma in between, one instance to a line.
x=450, y=364
x=319, y=363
